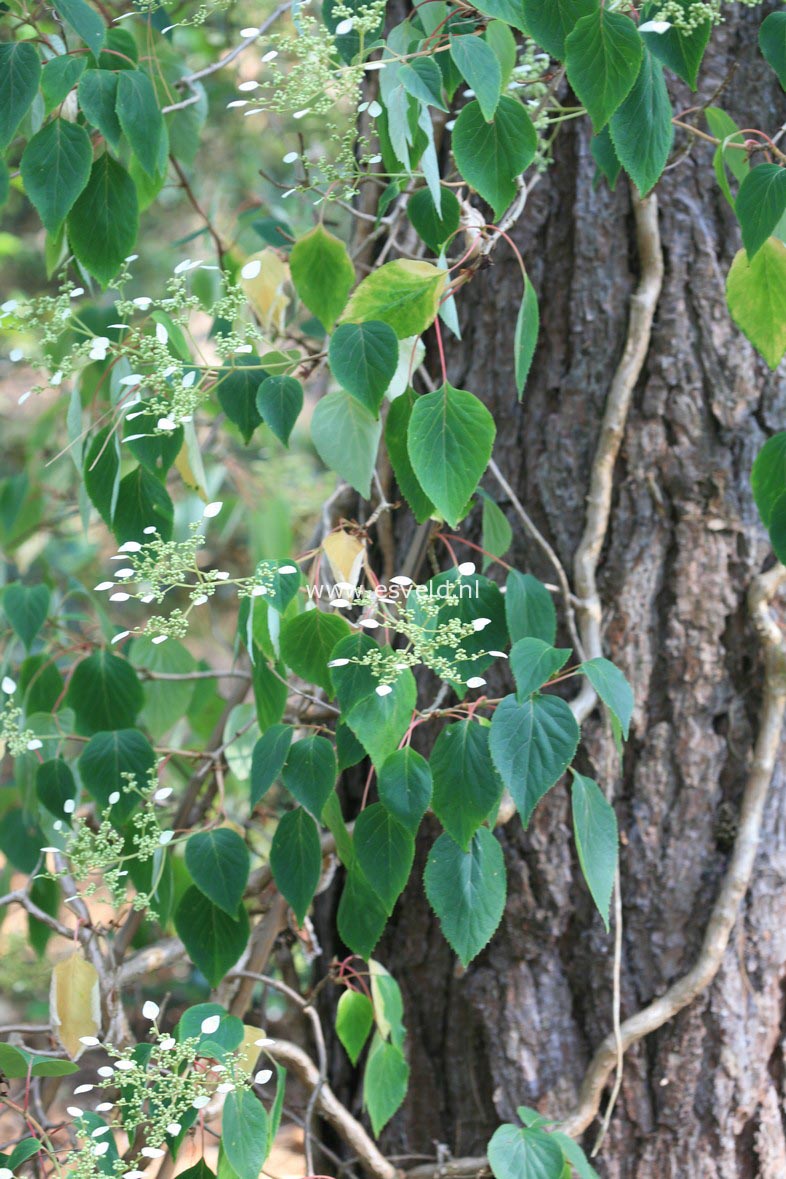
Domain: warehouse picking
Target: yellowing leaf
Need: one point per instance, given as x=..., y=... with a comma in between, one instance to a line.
x=404, y=294
x=756, y=295
x=183, y=465
x=345, y=554
x=74, y=1002
x=264, y=288
x=248, y=1050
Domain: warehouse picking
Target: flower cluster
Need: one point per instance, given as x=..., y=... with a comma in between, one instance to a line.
x=306, y=77
x=434, y=637
x=148, y=353
x=46, y=317
x=15, y=739
x=195, y=19
x=363, y=19
x=690, y=16
x=154, y=569
x=103, y=851
x=159, y=1088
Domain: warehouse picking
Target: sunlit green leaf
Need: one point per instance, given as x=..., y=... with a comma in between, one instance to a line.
x=756, y=295
x=354, y=1020
x=323, y=274
x=403, y=294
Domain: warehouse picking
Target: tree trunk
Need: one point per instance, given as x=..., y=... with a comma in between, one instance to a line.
x=703, y=1096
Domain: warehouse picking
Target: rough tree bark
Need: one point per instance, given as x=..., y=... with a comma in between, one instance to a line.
x=704, y=1095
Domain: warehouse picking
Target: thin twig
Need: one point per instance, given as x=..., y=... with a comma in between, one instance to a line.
x=471, y=1168
x=25, y=1029
x=20, y=897
x=319, y=1040
x=181, y=106
x=300, y=1064
x=186, y=186
x=540, y=540
x=188, y=676
x=189, y=79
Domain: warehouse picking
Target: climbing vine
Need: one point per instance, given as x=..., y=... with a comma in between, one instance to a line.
x=412, y=141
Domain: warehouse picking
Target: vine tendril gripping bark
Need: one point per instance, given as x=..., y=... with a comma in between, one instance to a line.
x=738, y=875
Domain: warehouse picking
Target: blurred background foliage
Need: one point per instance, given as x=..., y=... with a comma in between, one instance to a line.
x=236, y=179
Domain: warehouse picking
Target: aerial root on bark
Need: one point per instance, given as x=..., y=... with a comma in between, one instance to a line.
x=609, y=1055
x=738, y=874
x=585, y=620
x=586, y=624
x=643, y=305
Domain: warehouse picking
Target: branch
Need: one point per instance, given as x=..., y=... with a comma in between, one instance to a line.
x=19, y=897
x=643, y=304
x=330, y=1108
x=240, y=983
x=150, y=959
x=471, y=1168
x=642, y=312
x=737, y=879
x=189, y=79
